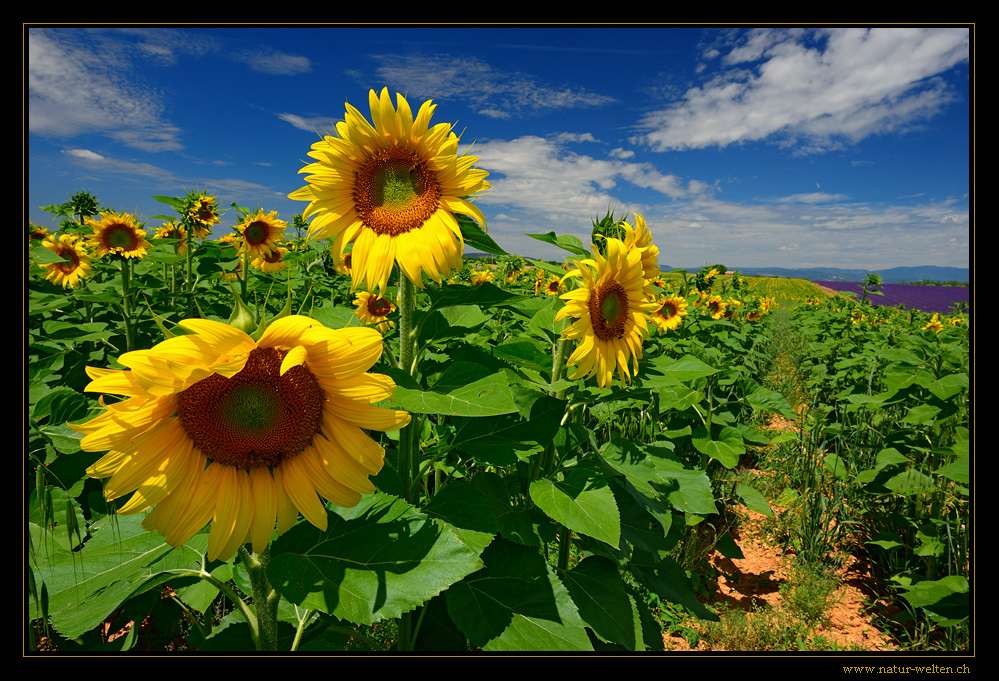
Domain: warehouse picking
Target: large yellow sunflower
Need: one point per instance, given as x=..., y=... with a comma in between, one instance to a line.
x=261, y=233
x=611, y=312
x=219, y=428
x=118, y=234
x=75, y=262
x=392, y=188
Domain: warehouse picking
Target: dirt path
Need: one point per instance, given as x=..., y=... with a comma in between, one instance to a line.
x=754, y=582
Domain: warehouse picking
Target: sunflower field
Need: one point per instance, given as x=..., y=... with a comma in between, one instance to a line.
x=338, y=433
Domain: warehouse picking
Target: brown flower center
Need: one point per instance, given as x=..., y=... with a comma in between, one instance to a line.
x=395, y=192
x=257, y=417
x=609, y=310
x=378, y=306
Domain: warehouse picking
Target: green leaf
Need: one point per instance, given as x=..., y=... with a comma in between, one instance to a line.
x=374, y=561
x=753, y=499
x=86, y=586
x=567, y=242
x=726, y=449
x=477, y=238
x=597, y=590
x=499, y=440
x=462, y=391
x=582, y=502
x=483, y=295
x=516, y=603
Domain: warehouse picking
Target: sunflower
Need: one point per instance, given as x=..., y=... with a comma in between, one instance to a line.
x=75, y=262
x=202, y=213
x=392, y=189
x=271, y=262
x=372, y=309
x=670, y=313
x=640, y=237
x=216, y=427
x=611, y=312
x=481, y=277
x=178, y=233
x=715, y=306
x=553, y=286
x=934, y=325
x=261, y=233
x=118, y=234
x=37, y=232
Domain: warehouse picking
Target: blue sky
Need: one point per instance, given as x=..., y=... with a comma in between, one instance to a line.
x=753, y=147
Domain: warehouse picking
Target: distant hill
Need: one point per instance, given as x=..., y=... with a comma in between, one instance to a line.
x=893, y=275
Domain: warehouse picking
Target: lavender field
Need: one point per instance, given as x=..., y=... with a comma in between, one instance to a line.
x=912, y=296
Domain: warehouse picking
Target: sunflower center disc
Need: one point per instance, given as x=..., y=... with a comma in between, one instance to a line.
x=609, y=310
x=379, y=307
x=395, y=192
x=120, y=236
x=255, y=233
x=257, y=417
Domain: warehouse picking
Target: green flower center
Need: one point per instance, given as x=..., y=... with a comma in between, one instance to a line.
x=395, y=192
x=119, y=235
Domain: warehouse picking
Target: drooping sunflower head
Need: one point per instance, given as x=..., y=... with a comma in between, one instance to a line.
x=202, y=213
x=670, y=313
x=118, y=234
x=611, y=311
x=392, y=187
x=75, y=262
x=261, y=233
x=218, y=428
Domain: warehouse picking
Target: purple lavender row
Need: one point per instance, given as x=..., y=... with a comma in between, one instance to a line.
x=913, y=296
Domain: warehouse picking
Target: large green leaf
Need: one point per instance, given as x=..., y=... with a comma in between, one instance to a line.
x=582, y=502
x=596, y=587
x=465, y=389
x=374, y=561
x=86, y=586
x=499, y=440
x=727, y=448
x=516, y=603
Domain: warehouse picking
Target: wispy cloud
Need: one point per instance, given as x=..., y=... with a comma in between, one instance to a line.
x=79, y=83
x=273, y=62
x=815, y=89
x=490, y=91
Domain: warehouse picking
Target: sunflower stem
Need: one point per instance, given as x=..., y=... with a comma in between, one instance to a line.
x=265, y=598
x=126, y=306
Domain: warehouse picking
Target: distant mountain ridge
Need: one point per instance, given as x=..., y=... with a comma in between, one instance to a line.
x=892, y=275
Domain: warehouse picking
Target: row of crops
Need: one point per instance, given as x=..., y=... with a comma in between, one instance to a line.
x=543, y=513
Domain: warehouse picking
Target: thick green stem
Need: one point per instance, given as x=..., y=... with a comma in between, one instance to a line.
x=265, y=598
x=126, y=303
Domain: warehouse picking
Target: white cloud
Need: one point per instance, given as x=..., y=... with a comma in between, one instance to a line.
x=78, y=86
x=311, y=123
x=814, y=88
